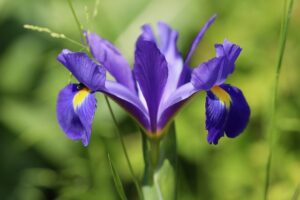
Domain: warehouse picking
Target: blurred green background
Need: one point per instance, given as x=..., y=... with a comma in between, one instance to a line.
x=37, y=161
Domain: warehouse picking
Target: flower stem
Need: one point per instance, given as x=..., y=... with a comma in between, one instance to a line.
x=136, y=182
x=160, y=158
x=154, y=151
x=273, y=114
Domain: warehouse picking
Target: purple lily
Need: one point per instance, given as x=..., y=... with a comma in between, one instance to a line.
x=157, y=87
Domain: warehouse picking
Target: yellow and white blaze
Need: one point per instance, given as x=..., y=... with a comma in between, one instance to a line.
x=221, y=94
x=79, y=97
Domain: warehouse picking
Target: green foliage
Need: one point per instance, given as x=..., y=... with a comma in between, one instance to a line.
x=39, y=162
x=117, y=180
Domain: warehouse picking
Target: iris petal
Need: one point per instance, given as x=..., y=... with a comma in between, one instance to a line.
x=174, y=103
x=216, y=70
x=128, y=100
x=216, y=116
x=207, y=74
x=110, y=57
x=225, y=115
x=83, y=68
x=168, y=47
x=167, y=44
x=230, y=52
x=147, y=33
x=151, y=72
x=75, y=112
x=239, y=111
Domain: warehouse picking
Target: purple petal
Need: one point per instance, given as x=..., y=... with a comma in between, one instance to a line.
x=168, y=47
x=129, y=101
x=199, y=38
x=216, y=70
x=75, y=112
x=208, y=74
x=226, y=111
x=147, y=33
x=216, y=116
x=83, y=68
x=176, y=100
x=109, y=56
x=231, y=52
x=239, y=112
x=151, y=72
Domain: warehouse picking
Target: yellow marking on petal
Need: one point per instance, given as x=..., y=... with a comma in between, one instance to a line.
x=80, y=97
x=221, y=94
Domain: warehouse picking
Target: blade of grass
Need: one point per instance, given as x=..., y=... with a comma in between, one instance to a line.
x=117, y=180
x=136, y=182
x=273, y=113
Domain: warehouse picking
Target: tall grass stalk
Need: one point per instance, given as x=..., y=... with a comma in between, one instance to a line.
x=288, y=5
x=79, y=26
x=135, y=180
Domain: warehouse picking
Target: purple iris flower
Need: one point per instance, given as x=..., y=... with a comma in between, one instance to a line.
x=157, y=87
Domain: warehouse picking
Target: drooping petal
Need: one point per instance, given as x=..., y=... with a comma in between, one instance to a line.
x=110, y=57
x=75, y=112
x=231, y=52
x=84, y=69
x=239, y=112
x=208, y=74
x=216, y=116
x=128, y=100
x=226, y=112
x=199, y=38
x=151, y=72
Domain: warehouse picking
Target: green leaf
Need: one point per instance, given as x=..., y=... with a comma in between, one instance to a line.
x=117, y=180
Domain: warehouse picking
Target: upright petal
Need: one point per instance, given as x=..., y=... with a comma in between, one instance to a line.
x=199, y=38
x=168, y=47
x=167, y=44
x=110, y=57
x=226, y=111
x=83, y=68
x=151, y=72
x=147, y=33
x=129, y=101
x=75, y=112
x=176, y=100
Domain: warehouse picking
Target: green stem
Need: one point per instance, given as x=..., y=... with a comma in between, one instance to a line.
x=154, y=152
x=160, y=158
x=137, y=185
x=273, y=113
x=76, y=19
x=77, y=43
